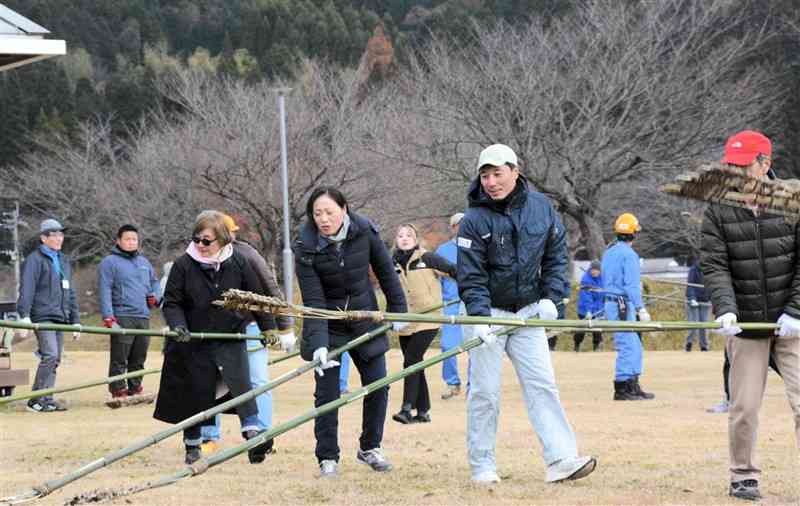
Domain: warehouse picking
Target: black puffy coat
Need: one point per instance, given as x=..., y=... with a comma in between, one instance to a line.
x=750, y=265
x=338, y=278
x=188, y=378
x=510, y=256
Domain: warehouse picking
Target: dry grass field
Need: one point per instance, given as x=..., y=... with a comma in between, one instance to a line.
x=666, y=451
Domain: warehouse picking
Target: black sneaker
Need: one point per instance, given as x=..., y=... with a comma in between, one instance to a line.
x=193, y=454
x=258, y=454
x=745, y=489
x=423, y=417
x=36, y=406
x=622, y=392
x=403, y=417
x=688, y=346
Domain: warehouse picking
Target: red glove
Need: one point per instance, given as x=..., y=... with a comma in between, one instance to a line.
x=110, y=322
x=151, y=301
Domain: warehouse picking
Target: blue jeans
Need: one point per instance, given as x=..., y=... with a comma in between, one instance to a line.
x=259, y=376
x=344, y=371
x=529, y=353
x=451, y=337
x=627, y=344
x=51, y=347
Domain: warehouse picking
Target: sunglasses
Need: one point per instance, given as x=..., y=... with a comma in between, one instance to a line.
x=203, y=241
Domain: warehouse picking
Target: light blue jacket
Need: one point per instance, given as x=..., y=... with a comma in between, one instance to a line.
x=621, y=273
x=449, y=251
x=123, y=283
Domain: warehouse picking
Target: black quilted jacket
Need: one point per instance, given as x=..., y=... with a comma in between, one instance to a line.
x=750, y=265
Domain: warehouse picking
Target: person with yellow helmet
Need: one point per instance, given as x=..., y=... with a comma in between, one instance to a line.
x=623, y=301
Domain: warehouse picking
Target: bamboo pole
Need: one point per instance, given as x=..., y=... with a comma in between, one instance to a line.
x=48, y=487
x=240, y=300
x=117, y=331
x=215, y=459
x=79, y=386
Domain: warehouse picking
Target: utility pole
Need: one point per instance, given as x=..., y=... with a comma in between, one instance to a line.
x=288, y=258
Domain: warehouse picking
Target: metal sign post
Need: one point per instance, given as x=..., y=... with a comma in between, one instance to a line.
x=288, y=259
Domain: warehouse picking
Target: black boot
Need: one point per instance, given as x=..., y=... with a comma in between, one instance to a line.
x=638, y=389
x=193, y=454
x=258, y=454
x=622, y=392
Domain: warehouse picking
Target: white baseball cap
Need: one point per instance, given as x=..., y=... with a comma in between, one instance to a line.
x=456, y=219
x=497, y=155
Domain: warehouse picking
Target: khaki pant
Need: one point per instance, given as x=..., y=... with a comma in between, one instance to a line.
x=748, y=378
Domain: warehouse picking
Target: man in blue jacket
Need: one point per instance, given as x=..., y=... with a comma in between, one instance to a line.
x=623, y=301
x=590, y=303
x=512, y=258
x=698, y=306
x=452, y=335
x=46, y=295
x=128, y=289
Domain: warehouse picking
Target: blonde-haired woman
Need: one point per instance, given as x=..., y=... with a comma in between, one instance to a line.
x=209, y=267
x=419, y=272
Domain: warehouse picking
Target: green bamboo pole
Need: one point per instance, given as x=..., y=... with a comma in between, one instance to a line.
x=118, y=331
x=652, y=326
x=87, y=384
x=218, y=458
x=434, y=307
x=48, y=487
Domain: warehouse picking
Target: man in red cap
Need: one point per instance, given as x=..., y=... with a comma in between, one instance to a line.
x=752, y=271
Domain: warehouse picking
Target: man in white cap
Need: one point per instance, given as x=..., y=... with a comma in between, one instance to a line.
x=512, y=261
x=452, y=335
x=46, y=295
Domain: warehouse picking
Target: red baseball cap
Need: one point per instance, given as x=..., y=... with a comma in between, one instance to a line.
x=743, y=147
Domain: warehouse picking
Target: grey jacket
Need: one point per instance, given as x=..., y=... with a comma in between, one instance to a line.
x=44, y=294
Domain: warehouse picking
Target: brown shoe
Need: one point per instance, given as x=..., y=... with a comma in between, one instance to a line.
x=452, y=391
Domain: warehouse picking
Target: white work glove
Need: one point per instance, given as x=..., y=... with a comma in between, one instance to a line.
x=789, y=326
x=547, y=310
x=693, y=303
x=321, y=354
x=485, y=333
x=77, y=334
x=729, y=327
x=644, y=316
x=288, y=340
x=588, y=316
x=22, y=333
x=398, y=326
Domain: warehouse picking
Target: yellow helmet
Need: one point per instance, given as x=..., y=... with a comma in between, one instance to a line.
x=627, y=224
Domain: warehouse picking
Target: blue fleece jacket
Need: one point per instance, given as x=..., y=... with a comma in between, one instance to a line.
x=590, y=296
x=124, y=281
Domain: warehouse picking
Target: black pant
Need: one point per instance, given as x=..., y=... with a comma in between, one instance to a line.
x=552, y=342
x=726, y=369
x=128, y=353
x=597, y=337
x=326, y=427
x=415, y=387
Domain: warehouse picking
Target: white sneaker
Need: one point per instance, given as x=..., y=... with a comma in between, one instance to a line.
x=328, y=469
x=486, y=477
x=570, y=469
x=722, y=407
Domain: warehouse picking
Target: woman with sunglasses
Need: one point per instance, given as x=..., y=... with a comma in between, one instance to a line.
x=419, y=272
x=334, y=253
x=209, y=267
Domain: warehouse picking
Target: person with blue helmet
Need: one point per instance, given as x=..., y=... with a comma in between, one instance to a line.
x=623, y=301
x=590, y=303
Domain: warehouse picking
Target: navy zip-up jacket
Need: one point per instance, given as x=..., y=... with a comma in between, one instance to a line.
x=510, y=256
x=44, y=294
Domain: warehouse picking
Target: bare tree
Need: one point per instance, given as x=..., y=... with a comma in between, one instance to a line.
x=596, y=101
x=92, y=186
